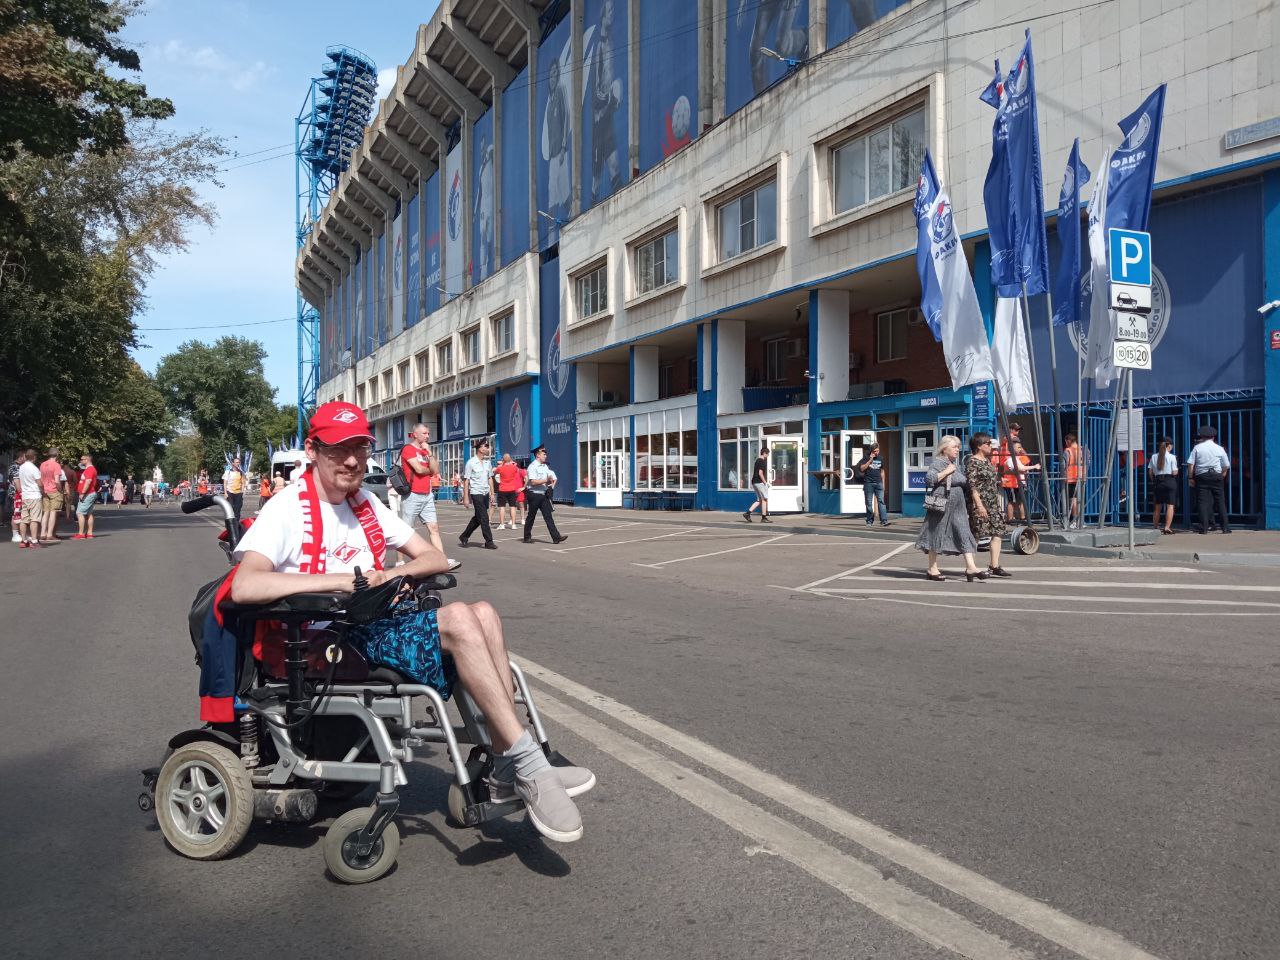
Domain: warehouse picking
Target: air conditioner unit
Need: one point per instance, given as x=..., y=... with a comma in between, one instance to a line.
x=915, y=318
x=855, y=361
x=798, y=349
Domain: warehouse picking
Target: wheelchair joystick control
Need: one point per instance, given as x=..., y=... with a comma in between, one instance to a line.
x=361, y=581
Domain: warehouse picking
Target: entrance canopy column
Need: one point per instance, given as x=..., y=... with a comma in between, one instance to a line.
x=731, y=365
x=644, y=374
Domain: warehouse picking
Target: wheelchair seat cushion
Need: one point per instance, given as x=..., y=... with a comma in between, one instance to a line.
x=408, y=642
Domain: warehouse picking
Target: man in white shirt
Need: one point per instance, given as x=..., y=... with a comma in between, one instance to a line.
x=1207, y=469
x=541, y=480
x=314, y=535
x=32, y=501
x=477, y=489
x=148, y=491
x=233, y=482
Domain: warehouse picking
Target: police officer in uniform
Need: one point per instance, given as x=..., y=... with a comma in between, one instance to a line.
x=1207, y=468
x=540, y=480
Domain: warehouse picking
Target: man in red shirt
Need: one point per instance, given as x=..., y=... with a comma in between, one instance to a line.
x=87, y=492
x=509, y=485
x=53, y=485
x=420, y=468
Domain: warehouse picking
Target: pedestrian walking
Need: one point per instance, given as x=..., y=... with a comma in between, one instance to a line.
x=118, y=493
x=871, y=470
x=53, y=486
x=234, y=482
x=11, y=494
x=421, y=469
x=202, y=484
x=130, y=489
x=477, y=490
x=946, y=521
x=760, y=484
x=148, y=493
x=522, y=501
x=986, y=521
x=1163, y=472
x=541, y=481
x=1207, y=467
x=29, y=488
x=87, y=498
x=264, y=491
x=1073, y=474
x=508, y=480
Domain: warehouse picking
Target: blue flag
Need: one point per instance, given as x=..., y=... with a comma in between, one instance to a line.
x=1013, y=193
x=1066, y=286
x=1133, y=165
x=930, y=296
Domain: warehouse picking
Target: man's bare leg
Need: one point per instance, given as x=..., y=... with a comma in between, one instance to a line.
x=433, y=534
x=491, y=625
x=462, y=636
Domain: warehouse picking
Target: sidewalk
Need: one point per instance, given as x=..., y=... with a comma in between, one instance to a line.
x=1252, y=547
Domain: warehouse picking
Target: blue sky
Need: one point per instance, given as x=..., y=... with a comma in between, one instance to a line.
x=241, y=70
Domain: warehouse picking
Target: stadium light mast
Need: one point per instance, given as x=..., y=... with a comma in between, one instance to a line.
x=328, y=128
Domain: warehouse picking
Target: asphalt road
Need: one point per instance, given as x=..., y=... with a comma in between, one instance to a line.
x=804, y=750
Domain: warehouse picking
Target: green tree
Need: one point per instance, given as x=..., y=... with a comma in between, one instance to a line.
x=122, y=427
x=220, y=389
x=183, y=457
x=279, y=423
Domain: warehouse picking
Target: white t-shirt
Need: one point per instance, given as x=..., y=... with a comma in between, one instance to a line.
x=29, y=475
x=148, y=488
x=277, y=533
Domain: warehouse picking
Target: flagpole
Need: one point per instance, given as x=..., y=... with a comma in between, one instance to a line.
x=1082, y=476
x=1035, y=399
x=1111, y=449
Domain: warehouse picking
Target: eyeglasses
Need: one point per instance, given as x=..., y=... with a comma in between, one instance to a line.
x=343, y=451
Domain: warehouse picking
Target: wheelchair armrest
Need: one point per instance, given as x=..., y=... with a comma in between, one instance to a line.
x=437, y=581
x=298, y=607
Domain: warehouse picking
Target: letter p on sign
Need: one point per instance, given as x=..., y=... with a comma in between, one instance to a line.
x=1130, y=257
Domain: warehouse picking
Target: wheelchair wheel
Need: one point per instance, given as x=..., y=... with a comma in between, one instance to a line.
x=343, y=858
x=204, y=800
x=477, y=768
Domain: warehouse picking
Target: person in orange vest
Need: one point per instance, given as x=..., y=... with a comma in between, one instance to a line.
x=1008, y=482
x=1073, y=468
x=1014, y=481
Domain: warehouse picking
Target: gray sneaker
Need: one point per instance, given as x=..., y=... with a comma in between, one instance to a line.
x=549, y=807
x=575, y=780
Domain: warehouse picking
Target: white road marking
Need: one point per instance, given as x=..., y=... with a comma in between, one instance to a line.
x=859, y=881
x=703, y=556
x=616, y=543
x=1073, y=611
x=972, y=595
x=1101, y=567
x=866, y=566
x=1112, y=584
x=1090, y=942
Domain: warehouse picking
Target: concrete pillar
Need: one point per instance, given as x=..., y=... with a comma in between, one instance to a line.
x=534, y=143
x=477, y=413
x=1271, y=348
x=730, y=365
x=633, y=88
x=829, y=350
x=818, y=26
x=588, y=383
x=576, y=14
x=468, y=192
x=708, y=436
x=644, y=374
x=711, y=44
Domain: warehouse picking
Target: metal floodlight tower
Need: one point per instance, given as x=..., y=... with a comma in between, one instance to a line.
x=328, y=128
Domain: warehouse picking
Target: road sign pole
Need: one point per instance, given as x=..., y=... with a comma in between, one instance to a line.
x=1129, y=455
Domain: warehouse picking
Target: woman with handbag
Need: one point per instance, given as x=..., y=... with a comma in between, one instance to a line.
x=985, y=518
x=946, y=521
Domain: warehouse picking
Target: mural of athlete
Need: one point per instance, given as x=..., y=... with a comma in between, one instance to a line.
x=557, y=135
x=774, y=28
x=606, y=99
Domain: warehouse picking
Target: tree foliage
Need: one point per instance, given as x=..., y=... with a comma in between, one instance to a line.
x=122, y=428
x=183, y=457
x=220, y=390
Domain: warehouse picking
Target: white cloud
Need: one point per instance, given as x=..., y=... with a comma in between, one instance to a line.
x=241, y=77
x=386, y=80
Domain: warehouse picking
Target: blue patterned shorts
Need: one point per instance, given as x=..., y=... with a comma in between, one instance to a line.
x=409, y=643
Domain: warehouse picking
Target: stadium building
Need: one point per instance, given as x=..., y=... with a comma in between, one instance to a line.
x=655, y=234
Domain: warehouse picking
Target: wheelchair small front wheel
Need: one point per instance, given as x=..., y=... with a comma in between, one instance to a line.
x=342, y=853
x=204, y=800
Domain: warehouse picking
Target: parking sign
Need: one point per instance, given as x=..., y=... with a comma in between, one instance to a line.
x=1129, y=256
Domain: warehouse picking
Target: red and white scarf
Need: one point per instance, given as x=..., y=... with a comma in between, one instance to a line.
x=313, y=552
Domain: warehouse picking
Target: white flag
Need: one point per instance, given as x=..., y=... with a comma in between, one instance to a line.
x=959, y=319
x=1102, y=320
x=1009, y=354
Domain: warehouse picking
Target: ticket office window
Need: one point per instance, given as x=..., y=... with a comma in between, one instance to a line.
x=667, y=450
x=740, y=446
x=921, y=441
x=603, y=436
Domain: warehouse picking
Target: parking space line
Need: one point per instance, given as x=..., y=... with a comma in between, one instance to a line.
x=1088, y=941
x=868, y=591
x=866, y=566
x=617, y=543
x=1101, y=567
x=717, y=553
x=1074, y=611
x=1114, y=585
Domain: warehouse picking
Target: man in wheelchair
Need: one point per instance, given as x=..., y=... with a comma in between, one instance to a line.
x=314, y=535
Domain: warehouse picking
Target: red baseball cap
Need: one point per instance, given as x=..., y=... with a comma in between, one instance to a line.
x=338, y=422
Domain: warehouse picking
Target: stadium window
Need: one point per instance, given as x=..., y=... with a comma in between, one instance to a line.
x=878, y=162
x=406, y=381
x=423, y=362
x=502, y=333
x=592, y=289
x=388, y=387
x=775, y=360
x=656, y=262
x=891, y=335
x=748, y=221
x=470, y=347
x=444, y=359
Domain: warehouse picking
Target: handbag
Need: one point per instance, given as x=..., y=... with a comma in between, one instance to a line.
x=935, y=501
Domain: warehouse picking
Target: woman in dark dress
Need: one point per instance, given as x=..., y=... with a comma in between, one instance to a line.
x=948, y=532
x=985, y=517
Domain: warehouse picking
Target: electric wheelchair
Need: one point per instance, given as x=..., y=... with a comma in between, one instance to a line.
x=323, y=725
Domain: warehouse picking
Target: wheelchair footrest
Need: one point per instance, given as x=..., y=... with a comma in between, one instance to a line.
x=478, y=813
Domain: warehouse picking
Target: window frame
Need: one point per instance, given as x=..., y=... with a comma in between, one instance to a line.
x=673, y=277
x=737, y=197
x=774, y=169
x=470, y=360
x=422, y=366
x=404, y=376
x=780, y=343
x=496, y=348
x=906, y=314
x=444, y=370
x=598, y=266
